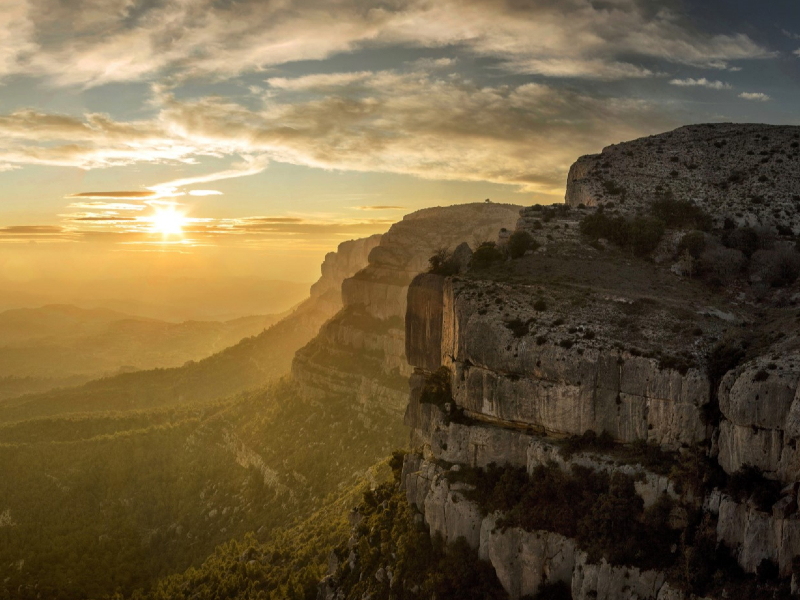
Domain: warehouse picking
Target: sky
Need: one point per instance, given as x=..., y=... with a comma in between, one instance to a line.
x=211, y=138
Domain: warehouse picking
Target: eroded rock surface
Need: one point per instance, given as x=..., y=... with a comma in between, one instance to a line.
x=747, y=172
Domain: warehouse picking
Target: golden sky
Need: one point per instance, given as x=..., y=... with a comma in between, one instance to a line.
x=207, y=137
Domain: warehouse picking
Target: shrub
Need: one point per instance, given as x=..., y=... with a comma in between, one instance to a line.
x=436, y=389
x=557, y=590
x=694, y=243
x=520, y=242
x=540, y=305
x=761, y=375
x=600, y=225
x=645, y=234
x=613, y=189
x=779, y=268
x=719, y=262
x=485, y=255
x=744, y=239
x=749, y=483
x=518, y=327
x=588, y=442
x=641, y=234
x=723, y=357
x=680, y=214
x=441, y=263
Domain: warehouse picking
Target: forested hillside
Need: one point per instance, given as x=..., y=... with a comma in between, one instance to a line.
x=96, y=503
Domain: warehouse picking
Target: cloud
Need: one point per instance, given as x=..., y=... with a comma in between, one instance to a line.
x=105, y=219
x=432, y=64
x=414, y=123
x=386, y=207
x=205, y=193
x=420, y=124
x=262, y=220
x=120, y=40
x=126, y=195
x=91, y=141
x=702, y=82
x=106, y=206
x=318, y=82
x=30, y=230
x=758, y=96
x=796, y=52
x=18, y=234
x=249, y=165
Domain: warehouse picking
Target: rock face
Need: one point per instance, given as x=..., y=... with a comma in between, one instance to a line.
x=350, y=257
x=362, y=348
x=517, y=362
x=575, y=338
x=760, y=401
x=523, y=560
x=749, y=173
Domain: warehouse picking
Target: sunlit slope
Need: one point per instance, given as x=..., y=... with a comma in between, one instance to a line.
x=128, y=343
x=95, y=503
x=62, y=345
x=251, y=363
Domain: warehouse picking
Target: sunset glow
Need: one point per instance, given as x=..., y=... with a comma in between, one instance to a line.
x=168, y=221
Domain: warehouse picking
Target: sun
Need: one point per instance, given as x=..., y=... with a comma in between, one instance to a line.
x=168, y=221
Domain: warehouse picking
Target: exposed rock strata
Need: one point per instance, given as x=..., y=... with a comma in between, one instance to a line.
x=362, y=348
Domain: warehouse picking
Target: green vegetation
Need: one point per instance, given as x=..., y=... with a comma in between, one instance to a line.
x=608, y=519
x=520, y=242
x=356, y=317
x=436, y=389
x=749, y=484
x=288, y=565
x=602, y=512
x=485, y=255
x=441, y=263
x=62, y=342
x=680, y=214
x=518, y=327
x=693, y=243
x=110, y=502
x=640, y=235
x=389, y=538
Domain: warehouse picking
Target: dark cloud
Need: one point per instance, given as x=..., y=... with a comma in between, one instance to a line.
x=31, y=230
x=128, y=195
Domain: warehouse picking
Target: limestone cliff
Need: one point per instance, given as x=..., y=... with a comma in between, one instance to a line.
x=362, y=348
x=576, y=339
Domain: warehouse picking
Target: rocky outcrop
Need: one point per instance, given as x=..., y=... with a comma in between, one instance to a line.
x=560, y=385
x=362, y=348
x=746, y=172
x=348, y=259
x=694, y=388
x=523, y=560
x=760, y=403
x=577, y=338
